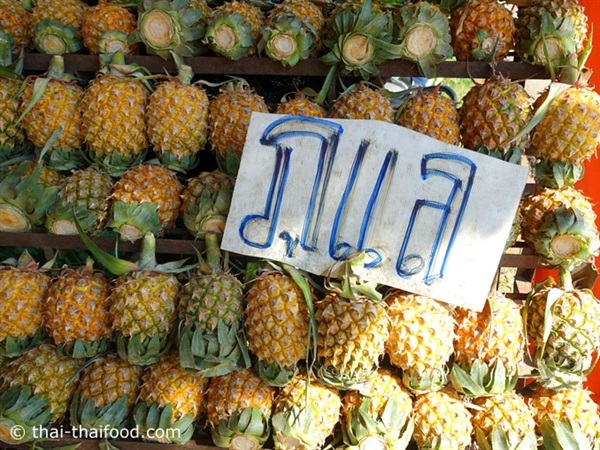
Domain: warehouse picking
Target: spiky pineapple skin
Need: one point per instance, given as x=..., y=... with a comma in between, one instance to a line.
x=277, y=320
x=76, y=307
x=432, y=113
x=67, y=12
x=300, y=105
x=106, y=17
x=362, y=102
x=306, y=10
x=569, y=132
x=177, y=116
x=11, y=132
x=59, y=107
x=16, y=21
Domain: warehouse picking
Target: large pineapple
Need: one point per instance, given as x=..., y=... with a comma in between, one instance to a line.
x=482, y=30
x=441, y=420
x=16, y=21
x=113, y=110
x=238, y=409
x=378, y=415
x=170, y=401
x=421, y=339
x=352, y=328
x=76, y=311
x=177, y=116
x=432, y=113
x=563, y=324
x=493, y=114
x=360, y=101
x=57, y=25
x=105, y=29
x=489, y=347
x=107, y=392
x=22, y=290
x=57, y=110
x=35, y=390
x=277, y=323
x=145, y=199
x=305, y=414
x=84, y=195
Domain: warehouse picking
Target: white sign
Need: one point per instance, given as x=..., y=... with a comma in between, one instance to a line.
x=432, y=218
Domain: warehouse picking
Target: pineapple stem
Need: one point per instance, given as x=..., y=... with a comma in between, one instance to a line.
x=565, y=278
x=320, y=99
x=148, y=256
x=57, y=67
x=213, y=252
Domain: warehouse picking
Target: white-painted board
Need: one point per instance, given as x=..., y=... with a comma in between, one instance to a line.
x=432, y=217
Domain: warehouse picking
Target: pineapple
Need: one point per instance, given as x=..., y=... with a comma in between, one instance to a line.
x=16, y=21
x=35, y=390
x=378, y=414
x=84, y=195
x=205, y=203
x=503, y=418
x=76, y=311
x=57, y=25
x=277, y=323
x=360, y=101
x=229, y=117
x=563, y=324
x=559, y=224
x=170, y=401
x=105, y=29
x=352, y=328
x=432, y=113
x=177, y=117
x=145, y=199
x=300, y=105
x=563, y=415
x=493, y=114
x=238, y=409
x=114, y=116
x=421, y=339
x=489, y=347
x=441, y=421
x=54, y=108
x=482, y=30
x=107, y=392
x=305, y=414
x=22, y=290
x=233, y=29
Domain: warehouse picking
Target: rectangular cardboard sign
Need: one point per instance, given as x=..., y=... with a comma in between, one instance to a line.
x=432, y=218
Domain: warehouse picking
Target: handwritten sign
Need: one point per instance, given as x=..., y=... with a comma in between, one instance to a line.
x=432, y=218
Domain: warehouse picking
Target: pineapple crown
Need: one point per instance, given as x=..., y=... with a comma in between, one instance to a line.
x=349, y=283
x=288, y=40
x=55, y=38
x=229, y=35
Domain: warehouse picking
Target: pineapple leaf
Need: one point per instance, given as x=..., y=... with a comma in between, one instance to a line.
x=39, y=88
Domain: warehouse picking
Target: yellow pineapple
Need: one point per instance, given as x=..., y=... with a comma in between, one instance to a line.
x=57, y=25
x=362, y=102
x=106, y=27
x=16, y=21
x=300, y=105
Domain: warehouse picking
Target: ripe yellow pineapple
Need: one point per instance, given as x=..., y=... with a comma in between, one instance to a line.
x=421, y=339
x=238, y=409
x=57, y=25
x=360, y=101
x=305, y=414
x=300, y=105
x=145, y=199
x=277, y=321
x=170, y=401
x=35, y=390
x=76, y=311
x=106, y=27
x=107, y=384
x=16, y=21
x=22, y=291
x=177, y=116
x=432, y=113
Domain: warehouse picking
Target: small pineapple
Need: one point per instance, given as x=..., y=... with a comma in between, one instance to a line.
x=177, y=117
x=300, y=105
x=482, y=30
x=277, y=322
x=493, y=114
x=360, y=101
x=107, y=392
x=35, y=390
x=145, y=199
x=84, y=195
x=432, y=113
x=421, y=339
x=22, y=290
x=57, y=25
x=238, y=409
x=441, y=420
x=16, y=21
x=170, y=401
x=76, y=311
x=113, y=111
x=106, y=27
x=305, y=414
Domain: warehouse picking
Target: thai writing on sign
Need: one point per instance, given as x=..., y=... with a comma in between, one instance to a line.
x=432, y=218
